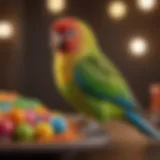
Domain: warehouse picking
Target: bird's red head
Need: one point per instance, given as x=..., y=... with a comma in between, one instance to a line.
x=65, y=34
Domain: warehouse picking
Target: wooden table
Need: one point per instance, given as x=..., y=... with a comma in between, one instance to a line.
x=127, y=143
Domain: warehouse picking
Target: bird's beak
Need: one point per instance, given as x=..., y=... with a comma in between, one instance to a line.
x=59, y=43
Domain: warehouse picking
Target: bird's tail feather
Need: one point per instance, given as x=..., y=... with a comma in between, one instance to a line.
x=143, y=125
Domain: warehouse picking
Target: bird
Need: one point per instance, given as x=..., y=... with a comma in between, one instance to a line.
x=87, y=79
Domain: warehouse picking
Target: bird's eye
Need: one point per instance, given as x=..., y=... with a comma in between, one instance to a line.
x=70, y=32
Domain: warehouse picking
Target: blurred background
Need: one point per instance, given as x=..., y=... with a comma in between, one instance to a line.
x=129, y=34
x=128, y=31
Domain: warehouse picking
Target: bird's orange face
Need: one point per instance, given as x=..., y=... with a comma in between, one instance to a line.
x=66, y=36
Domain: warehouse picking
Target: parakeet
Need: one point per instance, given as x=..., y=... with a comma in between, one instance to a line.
x=87, y=78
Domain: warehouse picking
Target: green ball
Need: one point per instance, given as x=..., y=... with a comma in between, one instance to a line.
x=24, y=132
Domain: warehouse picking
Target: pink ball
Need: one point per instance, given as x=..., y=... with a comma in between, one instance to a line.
x=31, y=117
x=6, y=127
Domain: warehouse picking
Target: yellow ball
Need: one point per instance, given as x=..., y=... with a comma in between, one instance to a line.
x=44, y=131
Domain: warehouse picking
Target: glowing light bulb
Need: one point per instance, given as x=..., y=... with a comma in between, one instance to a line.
x=6, y=30
x=56, y=6
x=146, y=5
x=117, y=10
x=138, y=46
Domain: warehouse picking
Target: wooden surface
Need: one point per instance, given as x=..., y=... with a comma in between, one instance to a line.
x=126, y=143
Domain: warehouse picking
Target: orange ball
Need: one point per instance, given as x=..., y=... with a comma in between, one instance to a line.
x=17, y=115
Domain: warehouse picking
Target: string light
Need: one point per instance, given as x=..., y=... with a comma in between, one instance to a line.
x=56, y=6
x=146, y=5
x=6, y=30
x=138, y=46
x=117, y=10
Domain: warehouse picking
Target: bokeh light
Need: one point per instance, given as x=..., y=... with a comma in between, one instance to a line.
x=138, y=46
x=56, y=6
x=117, y=10
x=6, y=30
x=146, y=5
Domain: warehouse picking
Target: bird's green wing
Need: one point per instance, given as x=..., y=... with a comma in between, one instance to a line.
x=98, y=77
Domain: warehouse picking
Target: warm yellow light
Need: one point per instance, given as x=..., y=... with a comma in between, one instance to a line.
x=138, y=46
x=56, y=6
x=146, y=5
x=117, y=10
x=6, y=30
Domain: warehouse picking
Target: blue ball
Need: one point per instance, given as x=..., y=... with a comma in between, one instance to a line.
x=5, y=106
x=59, y=124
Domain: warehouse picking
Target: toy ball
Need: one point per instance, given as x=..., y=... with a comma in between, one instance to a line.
x=17, y=115
x=30, y=117
x=21, y=102
x=44, y=131
x=24, y=132
x=5, y=106
x=6, y=127
x=59, y=124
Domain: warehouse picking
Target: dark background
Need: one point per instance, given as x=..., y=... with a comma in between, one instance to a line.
x=26, y=60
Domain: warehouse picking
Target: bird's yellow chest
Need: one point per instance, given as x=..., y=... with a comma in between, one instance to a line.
x=63, y=70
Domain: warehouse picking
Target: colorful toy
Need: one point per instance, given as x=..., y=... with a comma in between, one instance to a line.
x=26, y=103
x=59, y=124
x=8, y=96
x=89, y=80
x=28, y=120
x=6, y=127
x=17, y=115
x=30, y=117
x=44, y=131
x=24, y=132
x=5, y=106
